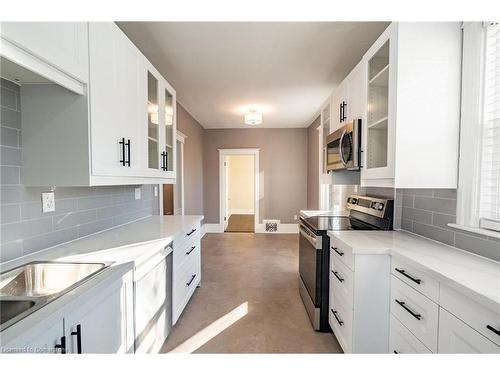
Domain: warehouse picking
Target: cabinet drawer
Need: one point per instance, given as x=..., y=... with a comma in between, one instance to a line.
x=416, y=278
x=340, y=320
x=189, y=233
x=186, y=278
x=415, y=311
x=480, y=318
x=342, y=252
x=457, y=337
x=341, y=281
x=402, y=341
x=186, y=251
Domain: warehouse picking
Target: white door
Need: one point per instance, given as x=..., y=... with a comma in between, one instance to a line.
x=457, y=337
x=115, y=101
x=61, y=44
x=100, y=324
x=41, y=339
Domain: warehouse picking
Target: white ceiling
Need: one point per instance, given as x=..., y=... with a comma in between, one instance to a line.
x=286, y=69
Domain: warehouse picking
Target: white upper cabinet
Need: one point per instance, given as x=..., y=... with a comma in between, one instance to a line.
x=410, y=136
x=348, y=98
x=115, y=101
x=120, y=131
x=57, y=51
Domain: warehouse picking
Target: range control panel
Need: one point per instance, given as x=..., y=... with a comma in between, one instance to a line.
x=370, y=205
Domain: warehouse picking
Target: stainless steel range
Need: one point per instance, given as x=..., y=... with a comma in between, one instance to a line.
x=365, y=213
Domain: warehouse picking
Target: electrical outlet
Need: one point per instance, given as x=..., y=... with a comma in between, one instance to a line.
x=155, y=190
x=295, y=217
x=48, y=202
x=137, y=193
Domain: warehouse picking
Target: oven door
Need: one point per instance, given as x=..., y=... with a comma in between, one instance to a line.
x=310, y=263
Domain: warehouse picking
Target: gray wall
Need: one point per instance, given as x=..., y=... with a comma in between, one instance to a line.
x=193, y=162
x=312, y=165
x=80, y=211
x=428, y=211
x=283, y=169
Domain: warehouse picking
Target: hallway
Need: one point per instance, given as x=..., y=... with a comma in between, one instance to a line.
x=262, y=270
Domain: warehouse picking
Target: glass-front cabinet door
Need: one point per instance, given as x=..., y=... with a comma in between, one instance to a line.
x=153, y=122
x=168, y=154
x=160, y=126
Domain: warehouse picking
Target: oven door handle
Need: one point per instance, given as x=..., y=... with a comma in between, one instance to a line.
x=311, y=239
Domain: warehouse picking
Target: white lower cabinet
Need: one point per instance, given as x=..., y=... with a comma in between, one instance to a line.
x=402, y=341
x=186, y=268
x=99, y=325
x=98, y=322
x=457, y=337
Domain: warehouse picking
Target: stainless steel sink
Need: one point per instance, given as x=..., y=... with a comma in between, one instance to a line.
x=27, y=288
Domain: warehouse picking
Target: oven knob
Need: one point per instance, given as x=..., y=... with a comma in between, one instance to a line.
x=374, y=205
x=380, y=206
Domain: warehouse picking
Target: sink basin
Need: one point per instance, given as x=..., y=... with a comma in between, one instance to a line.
x=44, y=279
x=29, y=287
x=11, y=308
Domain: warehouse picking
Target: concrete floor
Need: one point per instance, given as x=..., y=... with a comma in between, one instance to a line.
x=262, y=270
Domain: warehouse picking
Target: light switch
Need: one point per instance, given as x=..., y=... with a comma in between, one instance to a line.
x=48, y=202
x=137, y=193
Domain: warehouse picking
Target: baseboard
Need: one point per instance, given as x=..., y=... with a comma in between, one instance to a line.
x=242, y=211
x=282, y=228
x=214, y=228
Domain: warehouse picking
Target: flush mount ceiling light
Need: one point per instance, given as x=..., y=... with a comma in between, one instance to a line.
x=253, y=117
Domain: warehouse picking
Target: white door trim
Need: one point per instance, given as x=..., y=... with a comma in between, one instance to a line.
x=223, y=152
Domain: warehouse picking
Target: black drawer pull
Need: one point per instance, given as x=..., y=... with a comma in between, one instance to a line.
x=78, y=335
x=494, y=330
x=128, y=152
x=341, y=323
x=337, y=251
x=191, y=281
x=190, y=233
x=403, y=305
x=337, y=276
x=403, y=272
x=190, y=251
x=396, y=352
x=62, y=345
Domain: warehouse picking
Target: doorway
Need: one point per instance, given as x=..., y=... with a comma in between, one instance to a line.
x=239, y=190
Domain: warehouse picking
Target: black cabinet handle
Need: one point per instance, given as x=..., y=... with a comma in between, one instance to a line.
x=344, y=117
x=62, y=345
x=163, y=161
x=190, y=233
x=337, y=251
x=128, y=153
x=122, y=144
x=396, y=352
x=191, y=281
x=403, y=272
x=340, y=114
x=341, y=323
x=190, y=251
x=403, y=305
x=337, y=276
x=494, y=330
x=78, y=335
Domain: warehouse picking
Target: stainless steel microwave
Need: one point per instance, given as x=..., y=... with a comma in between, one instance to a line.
x=343, y=149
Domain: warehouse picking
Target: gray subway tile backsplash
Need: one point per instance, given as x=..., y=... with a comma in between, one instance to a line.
x=80, y=211
x=428, y=212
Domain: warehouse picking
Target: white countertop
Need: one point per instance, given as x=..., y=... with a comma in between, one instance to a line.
x=125, y=243
x=477, y=276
